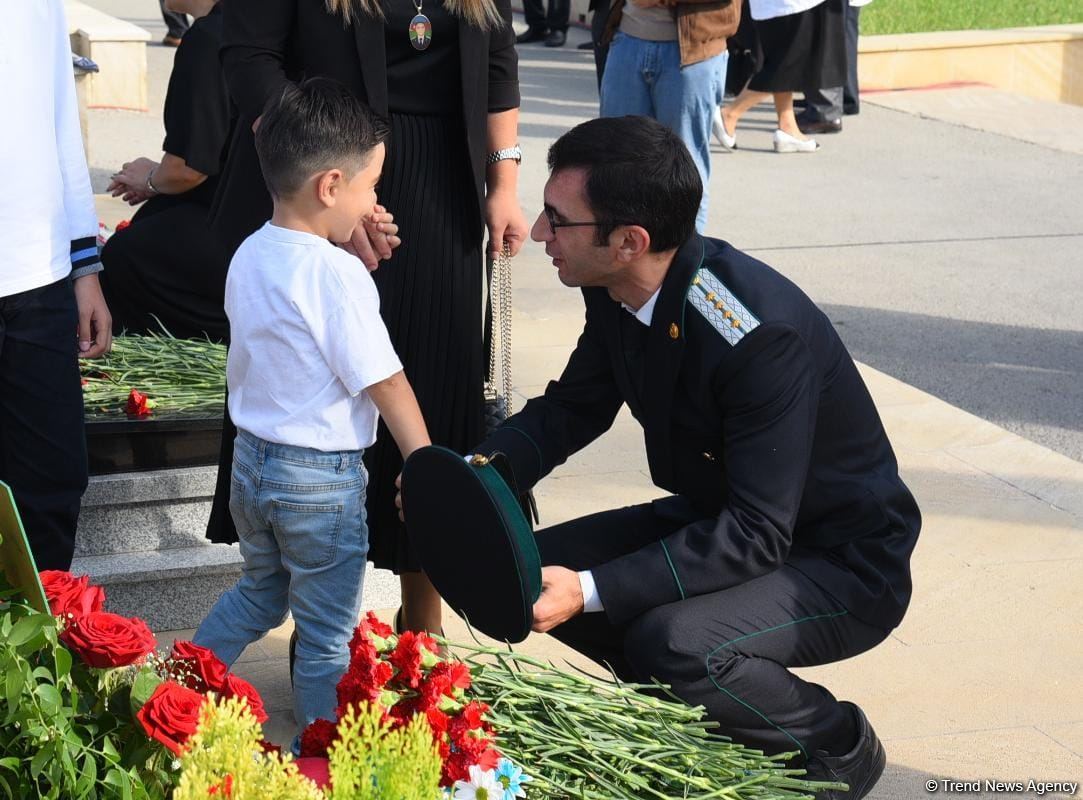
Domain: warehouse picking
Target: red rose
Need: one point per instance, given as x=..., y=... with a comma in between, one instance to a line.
x=204, y=671
x=317, y=737
x=239, y=687
x=107, y=640
x=69, y=595
x=171, y=715
x=139, y=405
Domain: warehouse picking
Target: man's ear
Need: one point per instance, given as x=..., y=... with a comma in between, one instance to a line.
x=327, y=186
x=632, y=242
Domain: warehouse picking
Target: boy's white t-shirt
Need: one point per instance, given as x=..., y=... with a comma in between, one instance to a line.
x=306, y=340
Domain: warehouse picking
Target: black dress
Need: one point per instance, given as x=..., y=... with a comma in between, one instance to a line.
x=802, y=50
x=431, y=288
x=166, y=263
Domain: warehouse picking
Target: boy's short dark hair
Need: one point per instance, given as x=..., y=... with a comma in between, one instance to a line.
x=314, y=126
x=639, y=172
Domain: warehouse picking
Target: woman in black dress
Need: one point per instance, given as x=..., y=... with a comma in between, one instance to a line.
x=166, y=263
x=803, y=43
x=451, y=172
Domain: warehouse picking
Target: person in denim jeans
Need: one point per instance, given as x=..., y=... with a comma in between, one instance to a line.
x=310, y=371
x=667, y=60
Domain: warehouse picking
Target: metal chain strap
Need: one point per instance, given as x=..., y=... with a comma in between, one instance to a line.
x=498, y=386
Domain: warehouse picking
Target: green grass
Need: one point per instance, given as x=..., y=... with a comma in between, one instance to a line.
x=910, y=16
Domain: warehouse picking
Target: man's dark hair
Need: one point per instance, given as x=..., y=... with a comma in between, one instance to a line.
x=311, y=127
x=638, y=173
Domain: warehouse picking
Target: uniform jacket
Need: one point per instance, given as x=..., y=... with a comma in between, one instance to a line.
x=756, y=419
x=269, y=42
x=703, y=26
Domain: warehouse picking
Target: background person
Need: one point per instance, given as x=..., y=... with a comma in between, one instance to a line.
x=451, y=173
x=166, y=265
x=667, y=60
x=802, y=42
x=825, y=107
x=51, y=307
x=549, y=26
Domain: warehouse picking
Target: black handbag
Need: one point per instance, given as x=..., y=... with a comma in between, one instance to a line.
x=497, y=339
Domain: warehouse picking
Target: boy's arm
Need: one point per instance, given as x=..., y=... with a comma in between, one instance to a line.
x=398, y=407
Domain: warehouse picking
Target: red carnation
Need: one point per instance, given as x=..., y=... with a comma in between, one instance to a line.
x=372, y=623
x=139, y=405
x=70, y=597
x=124, y=223
x=107, y=640
x=171, y=715
x=239, y=687
x=204, y=670
x=407, y=656
x=225, y=787
x=317, y=737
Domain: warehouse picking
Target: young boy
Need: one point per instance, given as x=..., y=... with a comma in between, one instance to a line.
x=310, y=371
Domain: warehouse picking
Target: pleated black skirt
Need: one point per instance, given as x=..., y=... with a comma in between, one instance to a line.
x=431, y=301
x=803, y=51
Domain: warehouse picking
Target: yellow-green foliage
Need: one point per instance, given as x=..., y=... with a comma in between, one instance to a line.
x=370, y=761
x=227, y=744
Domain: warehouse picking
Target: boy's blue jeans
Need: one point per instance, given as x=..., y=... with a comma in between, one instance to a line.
x=646, y=78
x=300, y=516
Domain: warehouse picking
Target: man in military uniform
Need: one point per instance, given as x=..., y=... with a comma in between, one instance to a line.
x=787, y=538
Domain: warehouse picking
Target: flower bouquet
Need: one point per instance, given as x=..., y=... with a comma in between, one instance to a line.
x=404, y=677
x=89, y=708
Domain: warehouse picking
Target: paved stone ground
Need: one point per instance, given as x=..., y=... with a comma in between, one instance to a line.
x=944, y=246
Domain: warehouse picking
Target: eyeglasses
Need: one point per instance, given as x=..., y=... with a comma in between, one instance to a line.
x=551, y=218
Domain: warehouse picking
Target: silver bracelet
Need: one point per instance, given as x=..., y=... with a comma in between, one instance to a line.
x=515, y=153
x=150, y=184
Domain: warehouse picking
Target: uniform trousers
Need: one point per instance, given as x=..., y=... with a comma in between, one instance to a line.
x=730, y=651
x=42, y=442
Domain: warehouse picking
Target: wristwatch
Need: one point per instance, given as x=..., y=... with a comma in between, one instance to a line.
x=515, y=153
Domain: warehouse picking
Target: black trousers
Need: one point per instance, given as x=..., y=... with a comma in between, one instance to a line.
x=729, y=651
x=167, y=266
x=555, y=20
x=602, y=10
x=42, y=443
x=175, y=23
x=831, y=102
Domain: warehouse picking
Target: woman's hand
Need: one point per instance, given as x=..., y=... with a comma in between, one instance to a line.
x=505, y=220
x=374, y=238
x=130, y=183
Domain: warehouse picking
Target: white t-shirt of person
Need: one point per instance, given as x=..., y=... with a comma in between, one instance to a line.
x=306, y=340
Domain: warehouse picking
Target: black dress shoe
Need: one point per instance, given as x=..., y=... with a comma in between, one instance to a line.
x=808, y=125
x=860, y=769
x=556, y=39
x=532, y=35
x=587, y=45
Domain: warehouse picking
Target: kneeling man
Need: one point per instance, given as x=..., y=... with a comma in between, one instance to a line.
x=786, y=541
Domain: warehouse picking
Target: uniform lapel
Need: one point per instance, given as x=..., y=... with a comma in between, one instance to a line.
x=665, y=348
x=368, y=34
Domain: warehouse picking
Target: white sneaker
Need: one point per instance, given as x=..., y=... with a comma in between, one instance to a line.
x=719, y=131
x=784, y=143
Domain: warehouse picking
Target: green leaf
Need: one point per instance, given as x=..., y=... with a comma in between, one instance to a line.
x=63, y=662
x=13, y=685
x=50, y=697
x=142, y=688
x=26, y=629
x=11, y=763
x=39, y=760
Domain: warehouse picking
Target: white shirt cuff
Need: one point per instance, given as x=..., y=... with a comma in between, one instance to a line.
x=592, y=601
